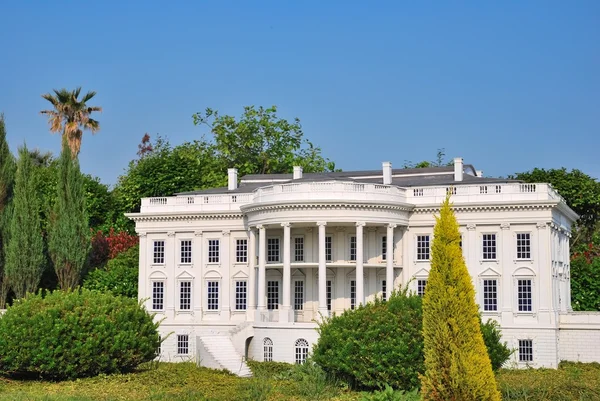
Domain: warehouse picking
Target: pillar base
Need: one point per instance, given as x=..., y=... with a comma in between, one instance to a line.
x=286, y=314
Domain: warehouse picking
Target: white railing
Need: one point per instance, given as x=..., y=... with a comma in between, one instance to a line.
x=352, y=191
x=482, y=193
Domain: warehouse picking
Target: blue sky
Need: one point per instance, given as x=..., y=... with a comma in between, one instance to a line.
x=506, y=85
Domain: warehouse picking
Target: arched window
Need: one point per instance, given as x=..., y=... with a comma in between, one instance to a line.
x=268, y=349
x=301, y=350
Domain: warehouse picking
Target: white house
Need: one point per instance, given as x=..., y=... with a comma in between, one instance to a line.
x=245, y=271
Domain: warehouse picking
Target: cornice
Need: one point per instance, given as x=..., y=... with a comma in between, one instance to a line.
x=489, y=207
x=156, y=217
x=251, y=208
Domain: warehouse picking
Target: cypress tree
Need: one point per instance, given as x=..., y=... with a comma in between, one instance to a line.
x=7, y=181
x=25, y=248
x=69, y=234
x=457, y=365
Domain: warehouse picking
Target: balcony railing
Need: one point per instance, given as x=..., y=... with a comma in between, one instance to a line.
x=339, y=191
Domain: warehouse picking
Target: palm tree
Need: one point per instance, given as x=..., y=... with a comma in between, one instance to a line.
x=71, y=116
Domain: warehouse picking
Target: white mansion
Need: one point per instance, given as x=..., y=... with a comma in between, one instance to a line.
x=245, y=271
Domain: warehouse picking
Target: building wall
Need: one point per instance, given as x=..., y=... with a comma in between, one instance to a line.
x=579, y=337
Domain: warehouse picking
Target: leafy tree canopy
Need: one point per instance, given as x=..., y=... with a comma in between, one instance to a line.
x=440, y=161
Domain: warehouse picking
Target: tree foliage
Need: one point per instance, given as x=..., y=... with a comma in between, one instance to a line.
x=457, y=366
x=440, y=161
x=65, y=335
x=7, y=180
x=25, y=249
x=262, y=143
x=71, y=115
x=585, y=281
x=120, y=276
x=69, y=235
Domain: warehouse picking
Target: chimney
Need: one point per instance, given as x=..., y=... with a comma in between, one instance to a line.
x=479, y=173
x=458, y=169
x=297, y=172
x=232, y=182
x=387, y=173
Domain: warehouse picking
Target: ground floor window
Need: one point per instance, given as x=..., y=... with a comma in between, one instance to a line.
x=301, y=350
x=267, y=349
x=183, y=344
x=421, y=284
x=329, y=289
x=526, y=350
x=352, y=294
x=272, y=295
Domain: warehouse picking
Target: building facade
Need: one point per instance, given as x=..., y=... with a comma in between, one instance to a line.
x=246, y=271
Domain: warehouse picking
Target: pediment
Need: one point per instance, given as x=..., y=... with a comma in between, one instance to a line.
x=298, y=273
x=524, y=271
x=489, y=272
x=156, y=275
x=422, y=273
x=240, y=274
x=212, y=274
x=328, y=273
x=185, y=275
x=352, y=274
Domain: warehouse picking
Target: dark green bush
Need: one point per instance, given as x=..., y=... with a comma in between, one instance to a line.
x=497, y=350
x=375, y=345
x=381, y=344
x=65, y=335
x=119, y=276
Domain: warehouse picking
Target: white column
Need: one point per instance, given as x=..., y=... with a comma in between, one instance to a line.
x=389, y=258
x=284, y=313
x=360, y=285
x=262, y=264
x=171, y=290
x=143, y=274
x=226, y=271
x=198, y=287
x=251, y=273
x=322, y=271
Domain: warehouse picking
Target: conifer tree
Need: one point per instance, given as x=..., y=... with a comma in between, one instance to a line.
x=457, y=365
x=69, y=234
x=7, y=180
x=25, y=247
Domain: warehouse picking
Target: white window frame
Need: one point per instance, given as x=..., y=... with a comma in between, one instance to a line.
x=191, y=289
x=237, y=285
x=351, y=289
x=275, y=306
x=329, y=296
x=302, y=293
x=241, y=253
x=214, y=258
x=483, y=247
x=518, y=278
x=159, y=260
x=382, y=248
x=482, y=283
x=517, y=245
x=164, y=290
x=189, y=252
x=295, y=249
x=420, y=289
x=270, y=257
x=382, y=287
x=418, y=247
x=532, y=346
x=351, y=248
x=267, y=349
x=183, y=340
x=329, y=255
x=301, y=348
x=218, y=297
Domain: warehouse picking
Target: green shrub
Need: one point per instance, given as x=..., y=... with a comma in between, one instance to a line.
x=66, y=335
x=271, y=370
x=313, y=382
x=498, y=351
x=389, y=394
x=376, y=345
x=120, y=276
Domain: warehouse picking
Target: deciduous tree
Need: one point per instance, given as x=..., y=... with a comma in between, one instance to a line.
x=457, y=366
x=25, y=248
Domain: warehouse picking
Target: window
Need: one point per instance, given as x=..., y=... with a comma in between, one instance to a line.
x=241, y=294
x=298, y=295
x=352, y=294
x=489, y=247
x=185, y=295
x=185, y=251
x=183, y=344
x=159, y=252
x=268, y=349
x=213, y=295
x=383, y=248
x=422, y=247
x=272, y=295
x=524, y=295
x=490, y=295
x=483, y=189
x=299, y=249
x=421, y=284
x=158, y=295
x=328, y=249
x=241, y=250
x=353, y=248
x=213, y=251
x=159, y=349
x=523, y=246
x=329, y=288
x=525, y=350
x=301, y=351
x=273, y=250
x=383, y=290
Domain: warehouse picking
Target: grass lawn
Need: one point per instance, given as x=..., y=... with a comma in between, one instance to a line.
x=186, y=382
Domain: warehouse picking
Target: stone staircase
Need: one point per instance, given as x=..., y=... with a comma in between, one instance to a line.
x=218, y=352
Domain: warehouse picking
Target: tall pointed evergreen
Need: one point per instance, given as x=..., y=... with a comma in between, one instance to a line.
x=69, y=233
x=25, y=248
x=7, y=181
x=457, y=365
